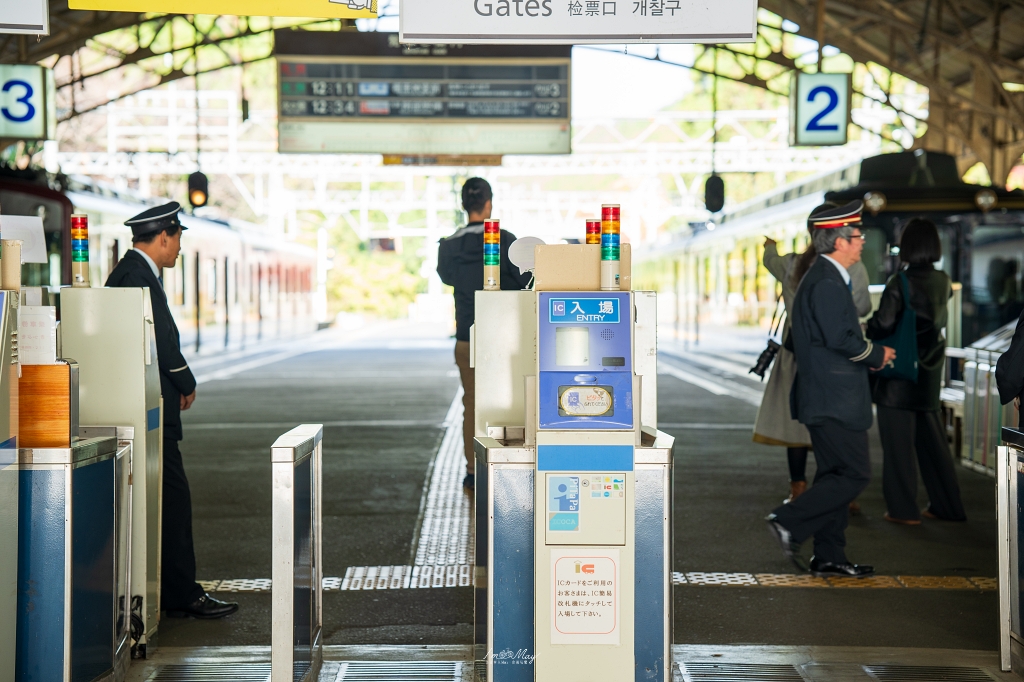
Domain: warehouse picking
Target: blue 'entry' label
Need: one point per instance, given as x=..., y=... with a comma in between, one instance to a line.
x=603, y=310
x=153, y=419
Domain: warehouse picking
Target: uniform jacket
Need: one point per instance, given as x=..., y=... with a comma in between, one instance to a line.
x=1010, y=366
x=176, y=378
x=832, y=355
x=460, y=264
x=930, y=290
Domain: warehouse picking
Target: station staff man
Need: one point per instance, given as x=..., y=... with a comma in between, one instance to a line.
x=460, y=264
x=156, y=238
x=830, y=396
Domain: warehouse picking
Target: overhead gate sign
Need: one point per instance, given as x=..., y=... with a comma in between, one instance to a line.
x=327, y=9
x=562, y=22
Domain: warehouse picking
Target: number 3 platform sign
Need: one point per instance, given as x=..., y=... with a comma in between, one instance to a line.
x=819, y=109
x=27, y=103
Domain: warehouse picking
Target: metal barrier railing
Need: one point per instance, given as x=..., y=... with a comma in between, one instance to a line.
x=297, y=572
x=1006, y=507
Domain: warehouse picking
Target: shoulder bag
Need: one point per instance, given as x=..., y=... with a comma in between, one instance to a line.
x=903, y=340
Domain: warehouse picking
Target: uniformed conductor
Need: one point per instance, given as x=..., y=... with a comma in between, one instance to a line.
x=156, y=238
x=830, y=395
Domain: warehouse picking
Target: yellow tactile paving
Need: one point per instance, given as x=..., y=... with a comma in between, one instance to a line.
x=789, y=580
x=985, y=583
x=936, y=582
x=875, y=581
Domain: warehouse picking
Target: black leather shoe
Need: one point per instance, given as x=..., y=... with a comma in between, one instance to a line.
x=785, y=539
x=824, y=569
x=205, y=607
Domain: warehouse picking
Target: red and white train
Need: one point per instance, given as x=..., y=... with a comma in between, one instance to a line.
x=233, y=284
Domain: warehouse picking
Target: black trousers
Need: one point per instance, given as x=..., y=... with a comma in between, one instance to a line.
x=844, y=470
x=178, y=587
x=904, y=433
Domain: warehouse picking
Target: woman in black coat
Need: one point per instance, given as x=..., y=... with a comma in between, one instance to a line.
x=909, y=417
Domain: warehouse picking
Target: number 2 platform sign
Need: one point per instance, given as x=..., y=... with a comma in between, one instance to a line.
x=819, y=109
x=27, y=102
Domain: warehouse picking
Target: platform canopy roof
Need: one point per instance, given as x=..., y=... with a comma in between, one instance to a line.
x=968, y=53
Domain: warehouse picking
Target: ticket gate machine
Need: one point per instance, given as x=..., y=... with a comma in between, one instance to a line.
x=578, y=512
x=110, y=333
x=8, y=481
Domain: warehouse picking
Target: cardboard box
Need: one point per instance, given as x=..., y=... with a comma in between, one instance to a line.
x=576, y=267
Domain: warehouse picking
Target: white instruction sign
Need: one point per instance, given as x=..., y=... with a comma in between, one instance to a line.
x=585, y=596
x=37, y=335
x=29, y=230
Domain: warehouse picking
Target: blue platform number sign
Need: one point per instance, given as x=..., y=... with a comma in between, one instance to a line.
x=819, y=109
x=27, y=102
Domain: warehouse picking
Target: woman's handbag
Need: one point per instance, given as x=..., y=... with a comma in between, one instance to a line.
x=764, y=360
x=903, y=341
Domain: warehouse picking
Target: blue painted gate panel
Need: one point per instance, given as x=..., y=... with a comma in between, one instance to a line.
x=40, y=643
x=649, y=595
x=513, y=575
x=92, y=570
x=303, y=567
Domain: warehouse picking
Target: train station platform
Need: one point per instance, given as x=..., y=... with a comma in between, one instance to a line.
x=398, y=601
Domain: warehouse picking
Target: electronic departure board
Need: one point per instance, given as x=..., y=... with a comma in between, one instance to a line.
x=365, y=93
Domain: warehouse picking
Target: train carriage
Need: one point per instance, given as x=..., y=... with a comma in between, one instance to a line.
x=713, y=274
x=233, y=284
x=716, y=272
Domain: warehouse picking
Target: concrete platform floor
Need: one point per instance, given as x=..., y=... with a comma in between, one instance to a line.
x=387, y=396
x=690, y=663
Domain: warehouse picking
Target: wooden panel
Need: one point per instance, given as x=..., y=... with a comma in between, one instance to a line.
x=45, y=406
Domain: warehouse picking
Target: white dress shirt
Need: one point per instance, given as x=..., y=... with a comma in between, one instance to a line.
x=842, y=271
x=156, y=270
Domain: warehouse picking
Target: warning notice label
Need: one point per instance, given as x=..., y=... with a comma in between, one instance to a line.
x=585, y=597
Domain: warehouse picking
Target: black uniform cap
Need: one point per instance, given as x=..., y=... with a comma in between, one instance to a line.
x=156, y=219
x=826, y=217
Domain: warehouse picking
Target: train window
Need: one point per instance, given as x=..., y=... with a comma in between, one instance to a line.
x=54, y=269
x=179, y=281
x=875, y=255
x=211, y=280
x=994, y=291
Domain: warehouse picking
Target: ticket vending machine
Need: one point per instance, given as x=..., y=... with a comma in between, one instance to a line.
x=578, y=501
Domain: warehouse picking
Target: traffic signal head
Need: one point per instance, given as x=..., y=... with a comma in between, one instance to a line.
x=198, y=189
x=714, y=193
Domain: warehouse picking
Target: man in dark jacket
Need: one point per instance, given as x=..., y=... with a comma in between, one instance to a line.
x=830, y=396
x=460, y=264
x=156, y=238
